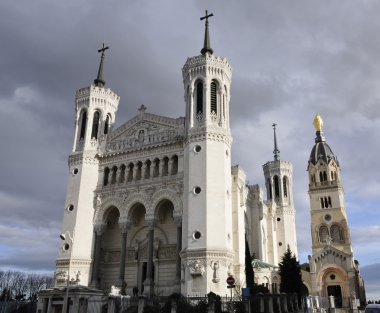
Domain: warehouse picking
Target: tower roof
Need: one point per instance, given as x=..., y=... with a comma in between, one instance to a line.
x=321, y=150
x=206, y=43
x=99, y=81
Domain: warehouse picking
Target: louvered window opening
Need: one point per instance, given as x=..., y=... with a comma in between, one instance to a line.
x=213, y=97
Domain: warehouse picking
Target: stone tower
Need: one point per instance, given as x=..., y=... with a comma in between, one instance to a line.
x=95, y=108
x=281, y=231
x=333, y=269
x=207, y=223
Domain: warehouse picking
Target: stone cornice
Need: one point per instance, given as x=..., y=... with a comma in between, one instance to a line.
x=208, y=254
x=174, y=146
x=80, y=158
x=201, y=135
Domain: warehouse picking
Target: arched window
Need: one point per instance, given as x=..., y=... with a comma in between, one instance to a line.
x=122, y=173
x=199, y=97
x=130, y=172
x=213, y=102
x=106, y=125
x=320, y=177
x=95, y=125
x=156, y=169
x=324, y=176
x=83, y=125
x=165, y=168
x=148, y=164
x=326, y=203
x=269, y=186
x=138, y=172
x=323, y=233
x=174, y=165
x=106, y=176
x=329, y=201
x=284, y=185
x=335, y=233
x=276, y=186
x=113, y=177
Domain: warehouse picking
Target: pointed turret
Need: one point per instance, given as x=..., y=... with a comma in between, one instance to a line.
x=206, y=44
x=99, y=81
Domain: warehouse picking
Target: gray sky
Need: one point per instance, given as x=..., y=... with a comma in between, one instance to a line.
x=290, y=59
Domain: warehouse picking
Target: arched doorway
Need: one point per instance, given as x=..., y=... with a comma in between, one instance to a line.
x=110, y=249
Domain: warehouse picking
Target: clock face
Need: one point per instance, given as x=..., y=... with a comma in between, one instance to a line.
x=327, y=217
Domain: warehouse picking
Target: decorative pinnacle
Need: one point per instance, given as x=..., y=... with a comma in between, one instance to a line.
x=99, y=81
x=206, y=44
x=276, y=152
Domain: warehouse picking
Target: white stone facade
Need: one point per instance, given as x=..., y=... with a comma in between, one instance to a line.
x=155, y=204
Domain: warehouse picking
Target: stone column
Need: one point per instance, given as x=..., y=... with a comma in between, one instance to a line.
x=49, y=307
x=99, y=230
x=123, y=252
x=148, y=284
x=143, y=171
x=178, y=221
x=135, y=167
x=161, y=167
x=151, y=169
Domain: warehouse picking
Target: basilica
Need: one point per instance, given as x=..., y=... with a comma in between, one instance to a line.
x=155, y=206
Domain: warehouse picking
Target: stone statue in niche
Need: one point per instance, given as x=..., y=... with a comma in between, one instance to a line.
x=141, y=136
x=215, y=275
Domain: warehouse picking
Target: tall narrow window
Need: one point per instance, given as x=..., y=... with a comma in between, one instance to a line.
x=95, y=125
x=329, y=200
x=269, y=190
x=122, y=173
x=113, y=176
x=284, y=186
x=174, y=165
x=106, y=125
x=276, y=186
x=199, y=98
x=324, y=176
x=320, y=177
x=213, y=101
x=130, y=172
x=106, y=176
x=322, y=203
x=83, y=125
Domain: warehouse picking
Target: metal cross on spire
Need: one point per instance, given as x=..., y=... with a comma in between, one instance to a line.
x=276, y=152
x=206, y=44
x=99, y=81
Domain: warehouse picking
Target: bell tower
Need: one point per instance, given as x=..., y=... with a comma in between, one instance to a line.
x=207, y=225
x=279, y=186
x=333, y=269
x=327, y=204
x=95, y=108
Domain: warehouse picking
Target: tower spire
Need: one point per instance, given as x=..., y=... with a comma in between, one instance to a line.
x=99, y=81
x=206, y=44
x=276, y=152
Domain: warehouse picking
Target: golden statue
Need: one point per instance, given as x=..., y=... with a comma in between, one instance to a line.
x=318, y=123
